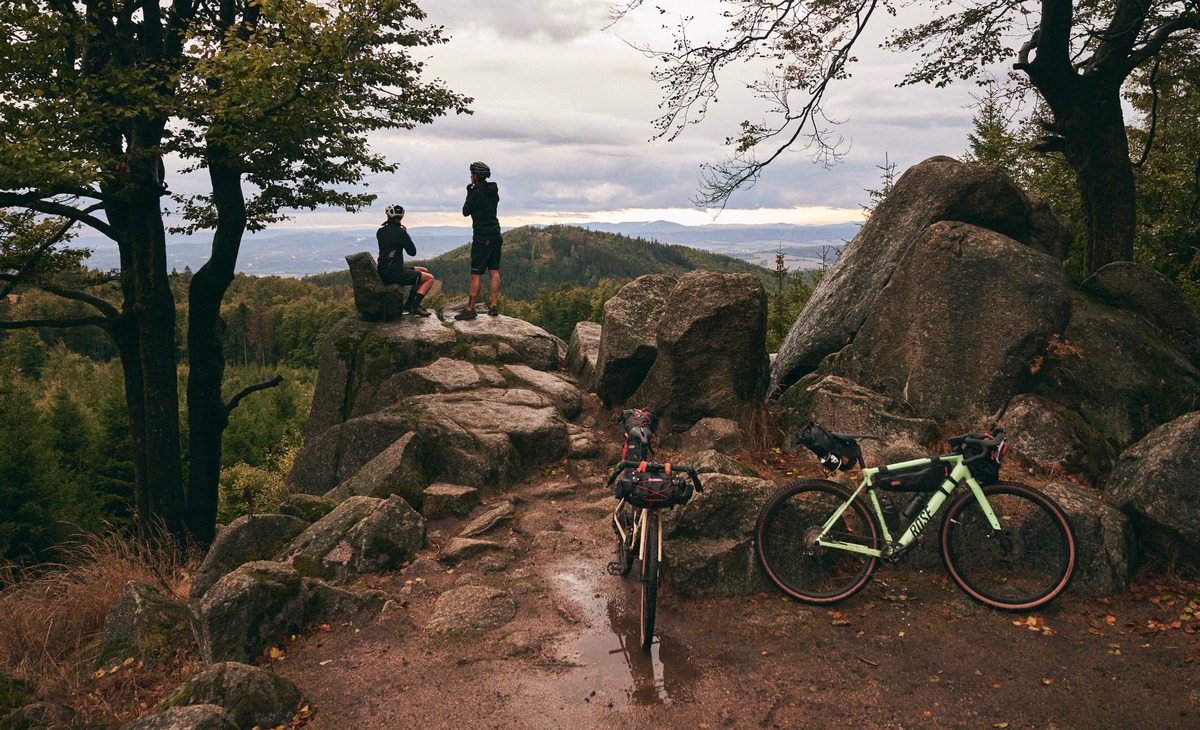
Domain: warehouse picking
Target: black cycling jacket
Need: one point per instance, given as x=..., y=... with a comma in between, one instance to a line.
x=482, y=199
x=394, y=242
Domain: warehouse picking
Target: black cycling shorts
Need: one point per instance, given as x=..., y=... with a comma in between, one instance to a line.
x=485, y=254
x=406, y=276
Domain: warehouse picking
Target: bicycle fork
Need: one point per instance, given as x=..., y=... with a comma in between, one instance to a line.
x=641, y=533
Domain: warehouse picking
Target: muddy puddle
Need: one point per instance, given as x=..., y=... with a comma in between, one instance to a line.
x=605, y=663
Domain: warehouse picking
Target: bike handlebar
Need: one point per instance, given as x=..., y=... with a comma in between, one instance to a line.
x=654, y=467
x=987, y=442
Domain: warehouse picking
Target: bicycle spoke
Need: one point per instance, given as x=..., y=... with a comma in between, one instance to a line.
x=1026, y=564
x=787, y=533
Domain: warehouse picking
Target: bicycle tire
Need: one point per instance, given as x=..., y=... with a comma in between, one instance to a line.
x=626, y=549
x=1028, y=565
x=785, y=534
x=650, y=578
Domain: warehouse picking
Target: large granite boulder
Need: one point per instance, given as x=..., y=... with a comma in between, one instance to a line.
x=843, y=406
x=1046, y=435
x=246, y=539
x=336, y=454
x=1105, y=548
x=261, y=603
x=1119, y=373
x=938, y=189
x=250, y=697
x=399, y=469
x=1138, y=288
x=711, y=538
x=486, y=437
x=363, y=535
x=358, y=360
x=959, y=324
x=711, y=351
x=628, y=337
x=1154, y=482
x=397, y=407
x=563, y=394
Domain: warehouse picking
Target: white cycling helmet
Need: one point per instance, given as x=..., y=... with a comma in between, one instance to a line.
x=394, y=211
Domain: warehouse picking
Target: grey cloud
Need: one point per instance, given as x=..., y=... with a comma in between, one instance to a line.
x=545, y=20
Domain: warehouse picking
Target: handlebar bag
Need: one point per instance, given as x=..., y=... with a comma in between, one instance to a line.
x=985, y=467
x=654, y=489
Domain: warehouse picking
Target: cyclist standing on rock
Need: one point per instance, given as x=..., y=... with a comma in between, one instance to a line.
x=394, y=242
x=482, y=198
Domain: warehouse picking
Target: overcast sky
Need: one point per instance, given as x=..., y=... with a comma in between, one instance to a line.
x=564, y=111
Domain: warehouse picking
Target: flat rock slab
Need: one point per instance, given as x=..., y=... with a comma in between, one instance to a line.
x=471, y=608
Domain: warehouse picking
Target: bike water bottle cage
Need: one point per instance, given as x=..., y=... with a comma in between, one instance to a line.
x=836, y=452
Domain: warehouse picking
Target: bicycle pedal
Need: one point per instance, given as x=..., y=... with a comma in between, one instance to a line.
x=614, y=568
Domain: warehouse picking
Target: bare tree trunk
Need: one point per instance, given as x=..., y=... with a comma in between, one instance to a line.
x=208, y=415
x=146, y=339
x=1097, y=148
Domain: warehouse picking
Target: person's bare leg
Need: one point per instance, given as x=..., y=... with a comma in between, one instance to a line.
x=474, y=292
x=495, y=275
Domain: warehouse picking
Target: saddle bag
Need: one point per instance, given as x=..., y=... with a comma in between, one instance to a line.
x=835, y=454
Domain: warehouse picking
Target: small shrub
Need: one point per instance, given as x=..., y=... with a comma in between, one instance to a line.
x=54, y=618
x=245, y=489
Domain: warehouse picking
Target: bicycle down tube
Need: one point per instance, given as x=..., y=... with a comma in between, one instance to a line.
x=960, y=474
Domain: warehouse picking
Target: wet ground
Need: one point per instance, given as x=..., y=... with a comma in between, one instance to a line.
x=908, y=652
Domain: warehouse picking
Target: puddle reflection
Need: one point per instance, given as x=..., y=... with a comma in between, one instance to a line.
x=609, y=658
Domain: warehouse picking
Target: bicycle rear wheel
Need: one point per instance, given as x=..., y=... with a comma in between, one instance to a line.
x=1026, y=565
x=786, y=537
x=650, y=577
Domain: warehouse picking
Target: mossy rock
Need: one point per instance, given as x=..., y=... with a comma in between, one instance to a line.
x=253, y=697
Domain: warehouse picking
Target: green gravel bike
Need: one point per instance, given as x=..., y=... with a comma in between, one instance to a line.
x=1005, y=544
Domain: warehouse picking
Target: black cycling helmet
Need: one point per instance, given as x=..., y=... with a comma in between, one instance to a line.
x=481, y=170
x=394, y=211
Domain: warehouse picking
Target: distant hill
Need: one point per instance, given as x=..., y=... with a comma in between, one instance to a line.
x=299, y=252
x=535, y=258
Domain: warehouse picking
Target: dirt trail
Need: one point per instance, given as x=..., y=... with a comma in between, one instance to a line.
x=908, y=652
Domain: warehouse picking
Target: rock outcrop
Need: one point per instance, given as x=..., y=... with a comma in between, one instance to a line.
x=711, y=351
x=1155, y=482
x=628, y=337
x=938, y=189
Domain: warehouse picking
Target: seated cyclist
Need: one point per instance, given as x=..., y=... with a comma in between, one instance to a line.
x=394, y=242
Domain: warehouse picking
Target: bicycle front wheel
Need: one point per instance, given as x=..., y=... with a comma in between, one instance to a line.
x=786, y=537
x=1027, y=564
x=626, y=548
x=650, y=577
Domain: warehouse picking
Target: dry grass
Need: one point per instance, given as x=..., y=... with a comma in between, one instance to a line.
x=54, y=618
x=760, y=424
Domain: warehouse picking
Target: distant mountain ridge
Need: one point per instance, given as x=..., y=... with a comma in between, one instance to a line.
x=536, y=258
x=297, y=253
